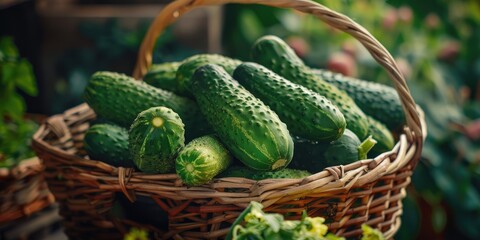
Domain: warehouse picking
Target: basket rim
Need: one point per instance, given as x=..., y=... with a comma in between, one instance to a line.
x=127, y=179
x=22, y=169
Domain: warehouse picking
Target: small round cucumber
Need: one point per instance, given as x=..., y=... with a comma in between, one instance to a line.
x=155, y=137
x=201, y=160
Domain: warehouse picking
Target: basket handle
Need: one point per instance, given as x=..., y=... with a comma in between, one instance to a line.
x=339, y=21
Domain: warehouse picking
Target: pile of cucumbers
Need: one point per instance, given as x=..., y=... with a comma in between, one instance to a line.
x=212, y=116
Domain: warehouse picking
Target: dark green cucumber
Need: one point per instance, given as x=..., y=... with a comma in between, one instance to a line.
x=377, y=100
x=275, y=54
x=120, y=98
x=187, y=68
x=315, y=156
x=201, y=160
x=163, y=76
x=252, y=132
x=245, y=172
x=306, y=113
x=108, y=143
x=155, y=137
x=382, y=135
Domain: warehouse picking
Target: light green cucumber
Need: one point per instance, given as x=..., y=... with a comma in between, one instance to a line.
x=201, y=160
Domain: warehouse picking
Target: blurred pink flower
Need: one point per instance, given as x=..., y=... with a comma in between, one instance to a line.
x=472, y=130
x=449, y=51
x=405, y=14
x=432, y=21
x=390, y=19
x=343, y=63
x=299, y=45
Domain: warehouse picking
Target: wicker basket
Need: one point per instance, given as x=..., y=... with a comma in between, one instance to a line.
x=23, y=190
x=368, y=191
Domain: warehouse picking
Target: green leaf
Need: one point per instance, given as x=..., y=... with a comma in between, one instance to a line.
x=12, y=106
x=7, y=47
x=250, y=25
x=25, y=79
x=370, y=233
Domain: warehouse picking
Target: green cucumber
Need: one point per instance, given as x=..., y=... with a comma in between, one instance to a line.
x=163, y=76
x=108, y=143
x=245, y=172
x=119, y=98
x=306, y=113
x=377, y=100
x=275, y=54
x=315, y=156
x=382, y=135
x=155, y=137
x=252, y=132
x=187, y=68
x=201, y=160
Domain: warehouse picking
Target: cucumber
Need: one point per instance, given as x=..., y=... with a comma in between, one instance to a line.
x=155, y=137
x=252, y=132
x=377, y=100
x=306, y=113
x=163, y=76
x=275, y=54
x=108, y=143
x=245, y=172
x=119, y=98
x=382, y=135
x=315, y=156
x=187, y=68
x=201, y=160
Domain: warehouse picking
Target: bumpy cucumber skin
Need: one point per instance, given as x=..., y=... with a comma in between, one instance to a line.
x=201, y=160
x=155, y=137
x=252, y=132
x=315, y=156
x=163, y=76
x=187, y=68
x=245, y=172
x=306, y=113
x=382, y=135
x=275, y=54
x=377, y=100
x=108, y=143
x=119, y=98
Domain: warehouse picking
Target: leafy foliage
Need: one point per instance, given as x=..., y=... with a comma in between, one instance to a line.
x=258, y=225
x=15, y=131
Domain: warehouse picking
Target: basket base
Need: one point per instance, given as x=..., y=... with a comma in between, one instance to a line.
x=45, y=224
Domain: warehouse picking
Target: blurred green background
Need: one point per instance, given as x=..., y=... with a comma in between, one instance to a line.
x=435, y=43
